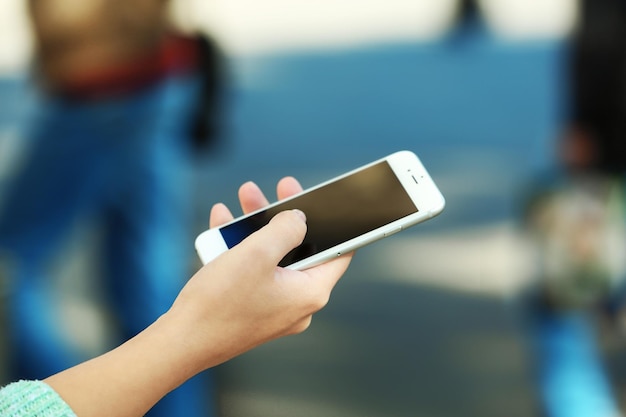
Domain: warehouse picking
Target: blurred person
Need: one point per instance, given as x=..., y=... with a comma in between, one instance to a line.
x=124, y=102
x=221, y=312
x=579, y=235
x=576, y=220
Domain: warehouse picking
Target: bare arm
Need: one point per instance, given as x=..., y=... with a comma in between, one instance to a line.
x=237, y=302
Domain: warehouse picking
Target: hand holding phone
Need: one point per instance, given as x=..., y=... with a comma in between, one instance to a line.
x=344, y=213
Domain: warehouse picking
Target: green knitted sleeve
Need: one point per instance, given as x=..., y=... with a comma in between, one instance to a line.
x=32, y=399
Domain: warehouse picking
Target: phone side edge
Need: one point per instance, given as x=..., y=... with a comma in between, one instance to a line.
x=209, y=245
x=366, y=239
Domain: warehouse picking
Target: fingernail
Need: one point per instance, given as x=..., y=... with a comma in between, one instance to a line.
x=301, y=214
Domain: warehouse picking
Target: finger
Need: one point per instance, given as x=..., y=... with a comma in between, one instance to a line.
x=251, y=197
x=287, y=187
x=219, y=215
x=285, y=231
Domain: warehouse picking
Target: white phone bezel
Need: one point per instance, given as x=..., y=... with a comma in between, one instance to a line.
x=410, y=172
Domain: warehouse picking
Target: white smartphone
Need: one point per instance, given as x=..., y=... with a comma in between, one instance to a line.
x=343, y=214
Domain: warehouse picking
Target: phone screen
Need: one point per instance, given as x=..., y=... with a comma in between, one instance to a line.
x=336, y=212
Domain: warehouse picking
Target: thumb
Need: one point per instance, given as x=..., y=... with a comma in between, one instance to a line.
x=283, y=233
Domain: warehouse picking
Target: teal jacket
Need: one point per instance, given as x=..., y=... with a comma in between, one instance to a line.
x=32, y=399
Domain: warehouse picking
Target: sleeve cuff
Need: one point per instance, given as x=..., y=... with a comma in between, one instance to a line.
x=32, y=399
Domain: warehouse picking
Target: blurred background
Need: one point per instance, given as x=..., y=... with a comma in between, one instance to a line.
x=438, y=321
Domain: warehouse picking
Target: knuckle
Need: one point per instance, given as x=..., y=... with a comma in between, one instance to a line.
x=301, y=326
x=319, y=300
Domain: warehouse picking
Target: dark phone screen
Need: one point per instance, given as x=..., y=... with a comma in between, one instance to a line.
x=336, y=212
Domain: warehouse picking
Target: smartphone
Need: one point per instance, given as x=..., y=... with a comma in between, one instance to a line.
x=344, y=213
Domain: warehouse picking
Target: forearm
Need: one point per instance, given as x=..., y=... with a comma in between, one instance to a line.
x=130, y=379
x=231, y=305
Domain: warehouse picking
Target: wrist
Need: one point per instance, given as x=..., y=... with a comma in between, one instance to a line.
x=179, y=348
x=194, y=341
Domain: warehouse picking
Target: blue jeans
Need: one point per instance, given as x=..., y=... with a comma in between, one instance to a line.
x=122, y=163
x=571, y=375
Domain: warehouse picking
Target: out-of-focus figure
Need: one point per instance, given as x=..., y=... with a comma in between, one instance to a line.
x=579, y=235
x=577, y=222
x=124, y=102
